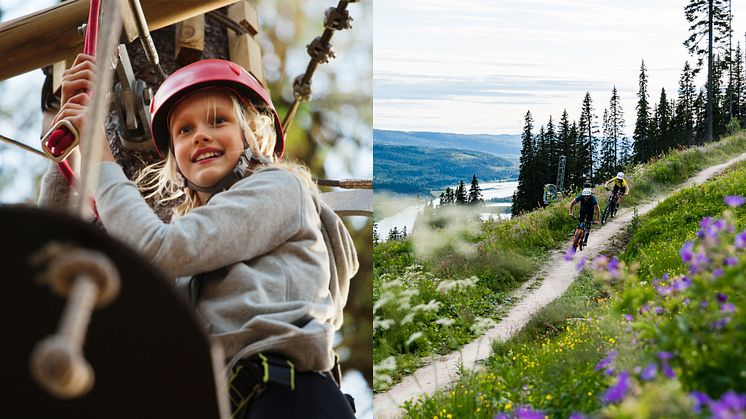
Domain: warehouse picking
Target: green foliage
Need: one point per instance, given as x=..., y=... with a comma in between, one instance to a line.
x=657, y=240
x=548, y=365
x=417, y=315
x=551, y=363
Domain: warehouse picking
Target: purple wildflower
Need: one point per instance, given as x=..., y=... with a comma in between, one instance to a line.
x=629, y=317
x=614, y=264
x=569, y=254
x=734, y=200
x=659, y=310
x=581, y=263
x=730, y=406
x=731, y=261
x=606, y=362
x=686, y=252
x=717, y=273
x=686, y=301
x=701, y=259
x=650, y=371
x=700, y=399
x=741, y=240
x=705, y=222
x=719, y=324
x=501, y=416
x=664, y=356
x=663, y=291
x=644, y=309
x=718, y=225
x=682, y=283
x=721, y=297
x=577, y=415
x=727, y=308
x=667, y=371
x=525, y=412
x=617, y=392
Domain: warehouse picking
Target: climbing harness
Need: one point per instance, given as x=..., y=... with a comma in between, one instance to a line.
x=320, y=50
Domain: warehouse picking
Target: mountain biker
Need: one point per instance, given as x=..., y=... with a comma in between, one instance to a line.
x=620, y=185
x=588, y=205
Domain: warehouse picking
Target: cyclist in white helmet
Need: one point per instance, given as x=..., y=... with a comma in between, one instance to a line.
x=621, y=186
x=588, y=205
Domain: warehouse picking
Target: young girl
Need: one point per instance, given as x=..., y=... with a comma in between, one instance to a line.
x=266, y=262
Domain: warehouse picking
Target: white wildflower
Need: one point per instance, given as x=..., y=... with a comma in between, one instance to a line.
x=481, y=325
x=445, y=321
x=414, y=337
x=383, y=324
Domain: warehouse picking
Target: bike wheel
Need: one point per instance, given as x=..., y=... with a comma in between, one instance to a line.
x=577, y=239
x=605, y=214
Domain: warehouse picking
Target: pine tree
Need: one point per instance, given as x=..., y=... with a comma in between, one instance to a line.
x=587, y=129
x=642, y=136
x=737, y=81
x=541, y=157
x=607, y=162
x=461, y=193
x=719, y=105
x=662, y=118
x=577, y=161
x=684, y=118
x=709, y=20
x=522, y=197
x=475, y=192
x=376, y=238
x=553, y=151
x=564, y=145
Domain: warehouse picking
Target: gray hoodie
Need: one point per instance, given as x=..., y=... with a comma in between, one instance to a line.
x=278, y=261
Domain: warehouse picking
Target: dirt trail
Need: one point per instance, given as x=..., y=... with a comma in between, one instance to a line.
x=558, y=275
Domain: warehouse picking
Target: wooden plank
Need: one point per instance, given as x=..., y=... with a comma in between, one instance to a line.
x=245, y=15
x=350, y=202
x=190, y=40
x=246, y=52
x=50, y=35
x=129, y=27
x=243, y=49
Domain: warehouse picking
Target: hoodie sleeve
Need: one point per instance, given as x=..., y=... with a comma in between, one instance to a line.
x=343, y=262
x=254, y=216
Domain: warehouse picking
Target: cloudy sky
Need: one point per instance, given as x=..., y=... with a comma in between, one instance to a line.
x=477, y=66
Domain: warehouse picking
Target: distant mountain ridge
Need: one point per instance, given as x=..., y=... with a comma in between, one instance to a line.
x=419, y=162
x=502, y=145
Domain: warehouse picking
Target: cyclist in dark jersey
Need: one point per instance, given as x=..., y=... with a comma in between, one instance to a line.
x=588, y=205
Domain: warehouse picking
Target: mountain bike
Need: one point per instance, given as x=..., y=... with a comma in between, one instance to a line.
x=611, y=207
x=582, y=232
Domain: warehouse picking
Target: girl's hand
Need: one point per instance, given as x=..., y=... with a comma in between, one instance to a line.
x=79, y=78
x=77, y=85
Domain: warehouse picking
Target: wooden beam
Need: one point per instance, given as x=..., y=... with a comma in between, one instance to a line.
x=190, y=40
x=50, y=35
x=243, y=48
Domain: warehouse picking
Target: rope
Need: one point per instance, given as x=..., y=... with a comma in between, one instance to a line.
x=23, y=146
x=320, y=50
x=95, y=111
x=346, y=183
x=228, y=22
x=89, y=279
x=147, y=42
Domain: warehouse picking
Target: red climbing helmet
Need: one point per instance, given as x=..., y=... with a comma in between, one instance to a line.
x=201, y=74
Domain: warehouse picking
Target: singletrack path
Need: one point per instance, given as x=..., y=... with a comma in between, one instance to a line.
x=558, y=275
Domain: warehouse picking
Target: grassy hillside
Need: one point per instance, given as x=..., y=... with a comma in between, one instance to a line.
x=637, y=342
x=413, y=170
x=501, y=145
x=490, y=264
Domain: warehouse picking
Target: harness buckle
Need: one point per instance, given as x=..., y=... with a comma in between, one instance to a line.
x=53, y=150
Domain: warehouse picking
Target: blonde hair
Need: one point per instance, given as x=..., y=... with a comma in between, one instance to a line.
x=163, y=181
